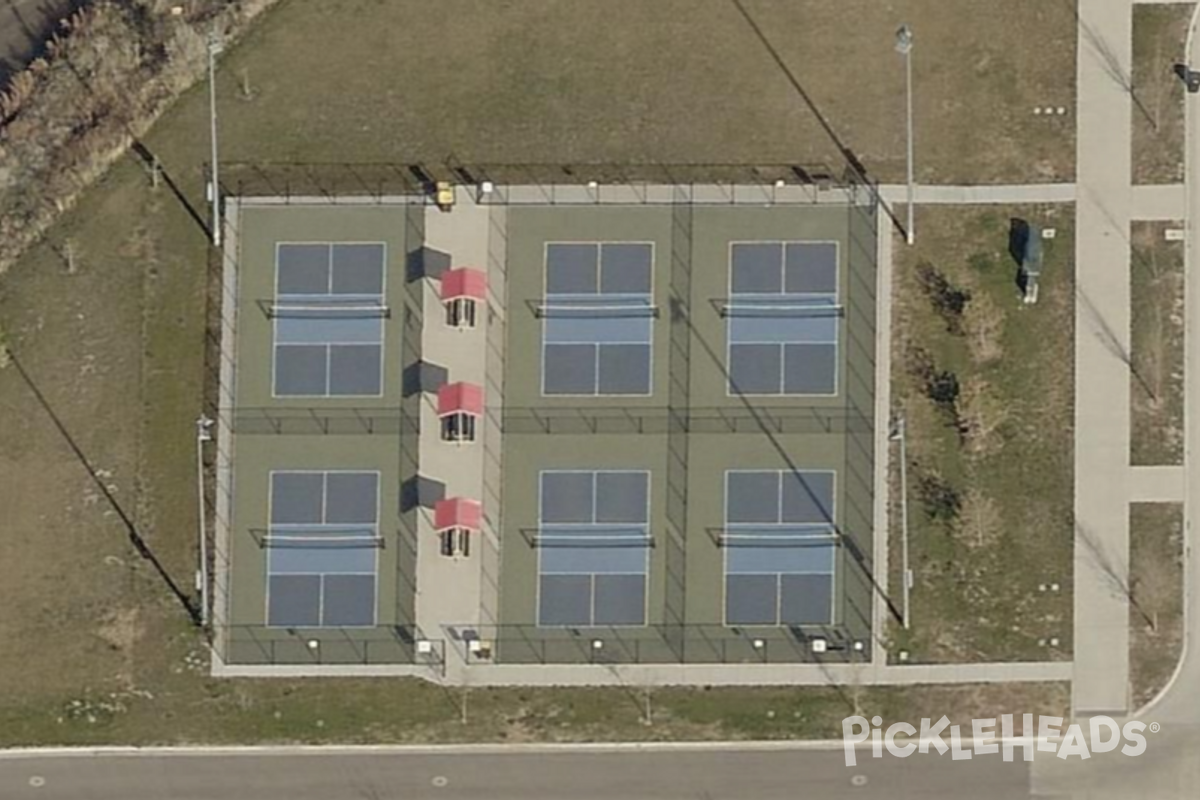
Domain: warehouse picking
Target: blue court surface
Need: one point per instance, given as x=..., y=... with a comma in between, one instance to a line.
x=594, y=547
x=322, y=549
x=598, y=318
x=783, y=317
x=328, y=316
x=780, y=547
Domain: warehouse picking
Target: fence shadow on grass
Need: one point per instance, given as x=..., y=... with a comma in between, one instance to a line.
x=136, y=539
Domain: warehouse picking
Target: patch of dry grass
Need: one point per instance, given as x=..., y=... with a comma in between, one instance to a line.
x=553, y=82
x=979, y=523
x=1159, y=39
x=990, y=476
x=983, y=415
x=1156, y=592
x=1157, y=333
x=984, y=329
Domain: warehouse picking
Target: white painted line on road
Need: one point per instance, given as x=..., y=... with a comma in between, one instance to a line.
x=575, y=748
x=420, y=749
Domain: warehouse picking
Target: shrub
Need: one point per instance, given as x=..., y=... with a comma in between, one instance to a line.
x=107, y=75
x=941, y=501
x=948, y=301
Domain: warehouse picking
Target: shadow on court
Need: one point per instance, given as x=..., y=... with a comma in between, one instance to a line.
x=860, y=559
x=135, y=537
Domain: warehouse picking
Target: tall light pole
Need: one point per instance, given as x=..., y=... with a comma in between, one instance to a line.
x=203, y=434
x=214, y=188
x=904, y=46
x=900, y=434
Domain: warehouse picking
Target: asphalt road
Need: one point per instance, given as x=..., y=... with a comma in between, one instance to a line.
x=676, y=774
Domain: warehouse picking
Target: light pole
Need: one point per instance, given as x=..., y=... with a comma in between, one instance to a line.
x=214, y=188
x=904, y=46
x=203, y=434
x=899, y=434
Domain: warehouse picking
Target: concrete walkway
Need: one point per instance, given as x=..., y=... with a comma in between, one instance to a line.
x=451, y=590
x=1156, y=485
x=1106, y=203
x=1102, y=257
x=656, y=675
x=1170, y=770
x=971, y=195
x=1165, y=203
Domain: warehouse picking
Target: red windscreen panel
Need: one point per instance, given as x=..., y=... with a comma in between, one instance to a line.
x=457, y=512
x=464, y=282
x=460, y=398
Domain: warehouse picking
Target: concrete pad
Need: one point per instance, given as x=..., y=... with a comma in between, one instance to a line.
x=1156, y=485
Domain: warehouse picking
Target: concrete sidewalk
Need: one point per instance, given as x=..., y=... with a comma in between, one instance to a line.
x=1159, y=203
x=970, y=195
x=1156, y=202
x=658, y=675
x=1156, y=485
x=1102, y=318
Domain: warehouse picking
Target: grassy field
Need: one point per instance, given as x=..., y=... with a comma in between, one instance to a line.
x=991, y=458
x=1159, y=38
x=1156, y=380
x=626, y=81
x=1156, y=590
x=108, y=357
x=185, y=707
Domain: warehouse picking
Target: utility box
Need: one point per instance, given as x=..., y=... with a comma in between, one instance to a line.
x=1031, y=264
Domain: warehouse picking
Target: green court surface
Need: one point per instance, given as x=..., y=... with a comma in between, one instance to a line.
x=703, y=375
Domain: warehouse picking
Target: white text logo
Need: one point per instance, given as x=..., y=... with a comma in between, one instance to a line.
x=902, y=739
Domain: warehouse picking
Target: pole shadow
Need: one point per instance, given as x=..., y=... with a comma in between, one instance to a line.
x=1110, y=62
x=853, y=163
x=764, y=426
